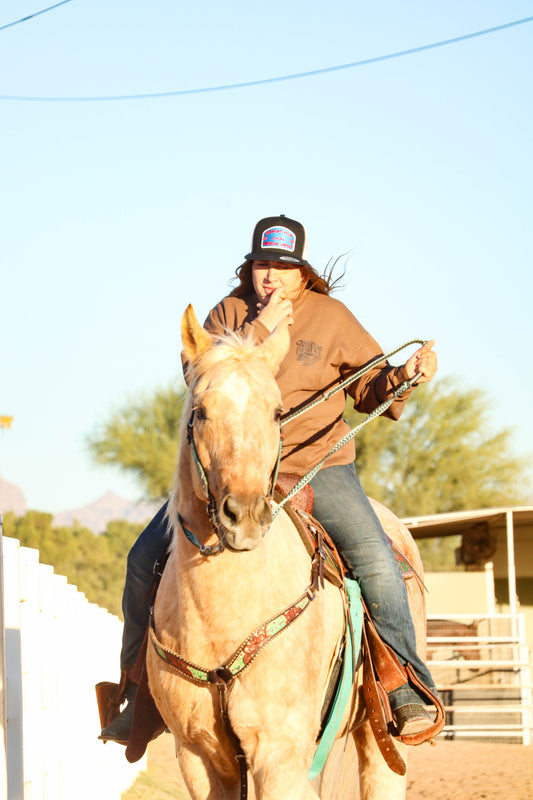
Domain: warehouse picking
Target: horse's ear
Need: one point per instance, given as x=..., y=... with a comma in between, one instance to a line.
x=276, y=346
x=195, y=339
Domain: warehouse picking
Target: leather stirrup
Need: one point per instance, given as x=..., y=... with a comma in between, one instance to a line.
x=382, y=673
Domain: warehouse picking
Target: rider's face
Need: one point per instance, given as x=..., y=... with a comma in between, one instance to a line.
x=268, y=276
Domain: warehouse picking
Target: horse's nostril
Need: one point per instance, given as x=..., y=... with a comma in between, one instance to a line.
x=263, y=511
x=231, y=509
x=234, y=511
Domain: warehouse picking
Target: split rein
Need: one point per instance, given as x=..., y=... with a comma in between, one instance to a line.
x=211, y=505
x=353, y=433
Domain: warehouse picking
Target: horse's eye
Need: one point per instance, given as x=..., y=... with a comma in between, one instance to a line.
x=200, y=413
x=278, y=413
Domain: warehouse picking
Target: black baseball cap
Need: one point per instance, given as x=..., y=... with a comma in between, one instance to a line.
x=279, y=239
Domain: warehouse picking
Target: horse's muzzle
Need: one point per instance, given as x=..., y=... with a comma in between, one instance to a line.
x=243, y=521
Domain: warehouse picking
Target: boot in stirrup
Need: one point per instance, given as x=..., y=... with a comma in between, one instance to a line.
x=120, y=728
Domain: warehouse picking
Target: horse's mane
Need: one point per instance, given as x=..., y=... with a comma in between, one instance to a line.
x=230, y=345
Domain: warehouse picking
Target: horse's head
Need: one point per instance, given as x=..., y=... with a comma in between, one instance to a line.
x=234, y=427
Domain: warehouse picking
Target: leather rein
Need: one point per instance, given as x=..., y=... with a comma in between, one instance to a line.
x=211, y=508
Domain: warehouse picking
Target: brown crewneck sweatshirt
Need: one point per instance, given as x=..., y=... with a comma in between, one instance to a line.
x=327, y=344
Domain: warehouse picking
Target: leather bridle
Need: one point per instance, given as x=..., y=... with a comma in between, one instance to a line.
x=211, y=507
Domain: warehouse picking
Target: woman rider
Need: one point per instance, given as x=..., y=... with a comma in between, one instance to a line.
x=327, y=344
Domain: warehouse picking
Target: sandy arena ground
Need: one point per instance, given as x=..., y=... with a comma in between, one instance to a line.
x=448, y=771
x=470, y=771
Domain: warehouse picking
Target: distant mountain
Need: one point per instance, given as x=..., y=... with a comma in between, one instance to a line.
x=94, y=516
x=110, y=506
x=11, y=498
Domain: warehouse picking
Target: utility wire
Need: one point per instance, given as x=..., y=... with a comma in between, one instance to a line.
x=263, y=81
x=30, y=16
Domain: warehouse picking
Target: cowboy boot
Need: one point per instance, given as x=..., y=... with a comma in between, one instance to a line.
x=120, y=728
x=412, y=718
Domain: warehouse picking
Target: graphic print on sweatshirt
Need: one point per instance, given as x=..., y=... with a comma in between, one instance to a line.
x=308, y=352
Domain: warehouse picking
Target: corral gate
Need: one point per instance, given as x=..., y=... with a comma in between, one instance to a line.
x=55, y=647
x=481, y=665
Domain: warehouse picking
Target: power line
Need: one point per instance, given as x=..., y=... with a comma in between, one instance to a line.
x=31, y=16
x=263, y=81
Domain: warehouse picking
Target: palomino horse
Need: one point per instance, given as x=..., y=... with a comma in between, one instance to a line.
x=209, y=601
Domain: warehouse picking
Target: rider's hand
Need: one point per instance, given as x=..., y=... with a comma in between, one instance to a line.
x=276, y=309
x=424, y=360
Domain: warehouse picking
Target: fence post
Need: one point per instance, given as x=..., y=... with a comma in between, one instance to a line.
x=525, y=680
x=30, y=659
x=49, y=678
x=15, y=763
x=3, y=716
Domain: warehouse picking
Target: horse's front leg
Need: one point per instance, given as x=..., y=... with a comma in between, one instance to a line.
x=202, y=780
x=376, y=780
x=285, y=785
x=281, y=771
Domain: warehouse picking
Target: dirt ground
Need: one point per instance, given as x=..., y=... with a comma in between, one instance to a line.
x=449, y=771
x=470, y=771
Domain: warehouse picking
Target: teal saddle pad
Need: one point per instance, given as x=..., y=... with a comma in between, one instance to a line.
x=344, y=685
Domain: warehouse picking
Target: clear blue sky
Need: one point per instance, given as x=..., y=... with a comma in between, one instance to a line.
x=115, y=215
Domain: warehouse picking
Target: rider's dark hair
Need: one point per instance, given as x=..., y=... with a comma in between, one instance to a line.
x=323, y=284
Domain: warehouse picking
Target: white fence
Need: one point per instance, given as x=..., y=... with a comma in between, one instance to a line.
x=482, y=667
x=56, y=646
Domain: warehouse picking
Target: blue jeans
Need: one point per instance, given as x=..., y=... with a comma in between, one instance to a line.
x=344, y=510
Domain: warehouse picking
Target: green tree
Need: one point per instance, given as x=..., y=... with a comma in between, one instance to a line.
x=440, y=456
x=142, y=438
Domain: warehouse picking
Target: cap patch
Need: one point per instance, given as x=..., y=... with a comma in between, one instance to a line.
x=279, y=238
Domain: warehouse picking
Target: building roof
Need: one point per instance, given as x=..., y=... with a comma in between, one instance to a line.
x=457, y=522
